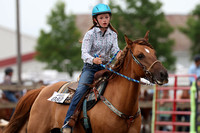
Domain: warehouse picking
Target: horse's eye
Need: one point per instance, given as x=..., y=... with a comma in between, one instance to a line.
x=140, y=56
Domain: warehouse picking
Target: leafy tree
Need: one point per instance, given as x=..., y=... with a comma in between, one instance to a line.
x=139, y=16
x=192, y=30
x=59, y=47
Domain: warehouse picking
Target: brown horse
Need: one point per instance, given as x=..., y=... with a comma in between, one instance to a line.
x=137, y=60
x=6, y=112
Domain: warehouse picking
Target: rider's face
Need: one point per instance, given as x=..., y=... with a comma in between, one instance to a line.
x=103, y=19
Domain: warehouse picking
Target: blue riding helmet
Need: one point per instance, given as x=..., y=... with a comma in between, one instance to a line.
x=100, y=8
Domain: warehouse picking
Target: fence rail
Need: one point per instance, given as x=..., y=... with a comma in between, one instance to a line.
x=7, y=104
x=18, y=87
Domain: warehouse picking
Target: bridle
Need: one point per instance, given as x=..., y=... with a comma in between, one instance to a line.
x=148, y=74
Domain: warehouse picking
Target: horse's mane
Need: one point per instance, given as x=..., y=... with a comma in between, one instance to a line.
x=118, y=64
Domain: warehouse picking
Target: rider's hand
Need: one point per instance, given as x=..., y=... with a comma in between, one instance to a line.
x=97, y=60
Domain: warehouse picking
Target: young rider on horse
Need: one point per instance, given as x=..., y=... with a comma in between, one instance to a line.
x=101, y=39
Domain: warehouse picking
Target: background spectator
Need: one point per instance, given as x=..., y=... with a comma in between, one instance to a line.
x=10, y=95
x=195, y=68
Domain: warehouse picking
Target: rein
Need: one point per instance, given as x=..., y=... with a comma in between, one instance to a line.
x=147, y=71
x=126, y=77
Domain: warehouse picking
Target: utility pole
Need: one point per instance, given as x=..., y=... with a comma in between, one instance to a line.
x=18, y=44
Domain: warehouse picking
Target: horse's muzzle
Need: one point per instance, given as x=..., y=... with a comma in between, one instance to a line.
x=161, y=77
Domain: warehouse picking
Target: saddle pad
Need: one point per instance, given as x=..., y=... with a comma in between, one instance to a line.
x=65, y=93
x=68, y=85
x=69, y=89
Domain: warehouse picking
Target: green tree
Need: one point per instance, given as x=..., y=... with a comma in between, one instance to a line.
x=192, y=30
x=60, y=47
x=139, y=16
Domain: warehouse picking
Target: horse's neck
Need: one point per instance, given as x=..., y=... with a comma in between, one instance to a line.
x=124, y=93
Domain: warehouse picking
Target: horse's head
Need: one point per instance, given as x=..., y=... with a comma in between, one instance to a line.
x=144, y=61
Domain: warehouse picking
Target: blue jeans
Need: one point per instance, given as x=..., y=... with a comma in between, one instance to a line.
x=11, y=96
x=87, y=77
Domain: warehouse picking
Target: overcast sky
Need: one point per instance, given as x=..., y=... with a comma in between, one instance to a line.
x=33, y=12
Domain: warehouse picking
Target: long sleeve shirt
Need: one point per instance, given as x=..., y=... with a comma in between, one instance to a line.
x=95, y=43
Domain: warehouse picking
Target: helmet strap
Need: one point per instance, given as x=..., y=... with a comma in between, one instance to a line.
x=97, y=23
x=104, y=32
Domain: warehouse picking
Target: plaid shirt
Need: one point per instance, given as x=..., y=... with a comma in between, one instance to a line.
x=94, y=43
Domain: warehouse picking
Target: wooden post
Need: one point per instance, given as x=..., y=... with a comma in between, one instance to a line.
x=18, y=43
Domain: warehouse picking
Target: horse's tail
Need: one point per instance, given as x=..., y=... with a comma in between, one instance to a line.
x=22, y=111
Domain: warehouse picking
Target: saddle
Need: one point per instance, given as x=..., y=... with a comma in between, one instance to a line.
x=92, y=96
x=99, y=84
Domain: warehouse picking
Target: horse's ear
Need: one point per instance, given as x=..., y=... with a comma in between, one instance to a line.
x=146, y=37
x=128, y=41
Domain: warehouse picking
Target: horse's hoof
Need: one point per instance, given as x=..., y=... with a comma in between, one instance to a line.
x=67, y=130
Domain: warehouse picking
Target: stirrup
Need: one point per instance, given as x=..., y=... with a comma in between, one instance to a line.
x=66, y=126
